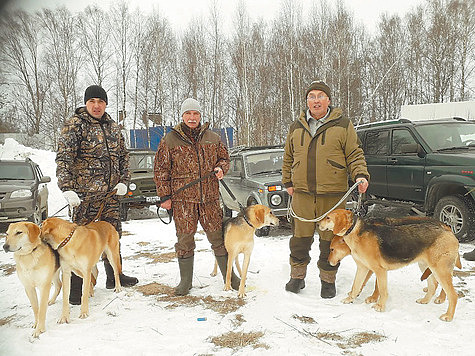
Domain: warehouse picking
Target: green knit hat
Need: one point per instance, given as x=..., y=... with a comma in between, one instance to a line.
x=319, y=85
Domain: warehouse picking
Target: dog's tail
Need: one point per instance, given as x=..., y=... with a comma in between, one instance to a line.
x=458, y=263
x=426, y=274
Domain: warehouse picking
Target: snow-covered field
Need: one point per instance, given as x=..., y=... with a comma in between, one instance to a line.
x=145, y=320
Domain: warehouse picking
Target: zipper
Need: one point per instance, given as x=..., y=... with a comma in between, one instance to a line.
x=109, y=154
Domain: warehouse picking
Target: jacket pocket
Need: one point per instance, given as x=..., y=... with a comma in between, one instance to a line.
x=335, y=164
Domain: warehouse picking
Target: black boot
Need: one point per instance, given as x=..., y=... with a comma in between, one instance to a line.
x=186, y=275
x=125, y=281
x=469, y=256
x=295, y=285
x=223, y=267
x=328, y=290
x=75, y=292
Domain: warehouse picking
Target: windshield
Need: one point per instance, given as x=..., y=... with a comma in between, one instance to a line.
x=141, y=161
x=266, y=162
x=448, y=135
x=16, y=172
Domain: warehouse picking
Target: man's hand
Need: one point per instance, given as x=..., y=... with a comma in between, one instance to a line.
x=121, y=189
x=290, y=190
x=218, y=172
x=362, y=186
x=167, y=204
x=72, y=198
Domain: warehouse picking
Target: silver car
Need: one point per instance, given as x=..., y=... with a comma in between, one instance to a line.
x=255, y=177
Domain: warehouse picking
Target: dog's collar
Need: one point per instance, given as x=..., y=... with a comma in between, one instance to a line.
x=66, y=240
x=355, y=219
x=246, y=219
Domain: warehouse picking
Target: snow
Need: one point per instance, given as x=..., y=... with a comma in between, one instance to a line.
x=130, y=322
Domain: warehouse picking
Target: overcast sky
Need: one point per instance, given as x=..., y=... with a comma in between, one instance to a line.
x=179, y=12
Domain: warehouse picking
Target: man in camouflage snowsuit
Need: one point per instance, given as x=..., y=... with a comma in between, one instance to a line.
x=92, y=160
x=185, y=154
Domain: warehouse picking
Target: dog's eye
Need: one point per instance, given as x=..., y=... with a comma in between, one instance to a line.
x=18, y=233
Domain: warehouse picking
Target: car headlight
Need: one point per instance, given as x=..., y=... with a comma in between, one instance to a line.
x=276, y=199
x=21, y=193
x=132, y=186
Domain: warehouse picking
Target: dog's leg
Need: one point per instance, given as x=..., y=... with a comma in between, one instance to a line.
x=238, y=266
x=44, y=294
x=431, y=288
x=445, y=279
x=245, y=266
x=57, y=287
x=66, y=290
x=441, y=298
x=361, y=273
x=113, y=255
x=231, y=256
x=31, y=294
x=373, y=298
x=86, y=286
x=382, y=279
x=215, y=269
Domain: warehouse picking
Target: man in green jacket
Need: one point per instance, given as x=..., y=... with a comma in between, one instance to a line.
x=321, y=150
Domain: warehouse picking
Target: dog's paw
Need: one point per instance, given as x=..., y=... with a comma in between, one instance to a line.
x=227, y=287
x=371, y=299
x=446, y=317
x=118, y=289
x=439, y=300
x=64, y=319
x=424, y=300
x=378, y=307
x=37, y=332
x=83, y=315
x=241, y=294
x=348, y=300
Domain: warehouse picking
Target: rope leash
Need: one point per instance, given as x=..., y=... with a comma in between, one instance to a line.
x=291, y=213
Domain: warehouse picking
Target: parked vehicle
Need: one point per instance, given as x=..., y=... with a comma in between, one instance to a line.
x=23, y=191
x=255, y=177
x=141, y=190
x=427, y=165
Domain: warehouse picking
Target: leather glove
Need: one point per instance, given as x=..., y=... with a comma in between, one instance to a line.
x=121, y=189
x=72, y=198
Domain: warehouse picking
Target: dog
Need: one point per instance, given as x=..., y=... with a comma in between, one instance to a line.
x=379, y=245
x=239, y=238
x=80, y=248
x=37, y=266
x=214, y=272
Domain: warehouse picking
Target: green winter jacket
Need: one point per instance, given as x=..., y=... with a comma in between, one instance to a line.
x=321, y=164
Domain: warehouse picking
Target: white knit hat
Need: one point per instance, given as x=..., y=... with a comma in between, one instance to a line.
x=190, y=104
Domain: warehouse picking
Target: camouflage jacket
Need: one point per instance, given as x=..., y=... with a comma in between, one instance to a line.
x=91, y=156
x=178, y=162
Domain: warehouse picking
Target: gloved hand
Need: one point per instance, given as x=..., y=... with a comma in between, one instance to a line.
x=121, y=189
x=72, y=198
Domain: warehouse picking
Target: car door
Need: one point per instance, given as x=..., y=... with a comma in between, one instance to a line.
x=233, y=180
x=405, y=172
x=376, y=149
x=42, y=189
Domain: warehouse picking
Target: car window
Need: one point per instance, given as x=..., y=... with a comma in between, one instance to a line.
x=442, y=136
x=401, y=137
x=265, y=162
x=16, y=171
x=376, y=142
x=236, y=167
x=141, y=161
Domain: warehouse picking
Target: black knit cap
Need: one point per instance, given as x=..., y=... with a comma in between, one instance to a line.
x=95, y=91
x=319, y=85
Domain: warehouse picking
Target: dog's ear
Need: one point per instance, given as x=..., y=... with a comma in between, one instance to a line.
x=340, y=219
x=33, y=231
x=259, y=212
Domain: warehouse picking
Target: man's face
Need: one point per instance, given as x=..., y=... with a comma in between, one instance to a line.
x=192, y=118
x=318, y=102
x=96, y=107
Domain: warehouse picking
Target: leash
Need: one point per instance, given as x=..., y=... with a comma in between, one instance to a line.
x=291, y=213
x=233, y=197
x=168, y=197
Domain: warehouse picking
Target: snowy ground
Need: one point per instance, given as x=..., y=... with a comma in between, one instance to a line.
x=271, y=320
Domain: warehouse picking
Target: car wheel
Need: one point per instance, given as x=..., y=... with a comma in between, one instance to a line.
x=458, y=212
x=124, y=210
x=263, y=231
x=36, y=217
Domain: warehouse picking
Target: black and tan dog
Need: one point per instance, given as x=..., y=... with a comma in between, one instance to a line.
x=379, y=245
x=37, y=267
x=80, y=248
x=239, y=238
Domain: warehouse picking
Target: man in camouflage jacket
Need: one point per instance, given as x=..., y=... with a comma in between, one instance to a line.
x=187, y=153
x=92, y=160
x=321, y=151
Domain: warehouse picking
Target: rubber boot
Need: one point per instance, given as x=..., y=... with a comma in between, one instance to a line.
x=469, y=256
x=186, y=275
x=125, y=281
x=328, y=290
x=76, y=290
x=295, y=285
x=223, y=267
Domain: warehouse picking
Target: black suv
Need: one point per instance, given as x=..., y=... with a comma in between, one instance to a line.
x=141, y=190
x=428, y=164
x=23, y=191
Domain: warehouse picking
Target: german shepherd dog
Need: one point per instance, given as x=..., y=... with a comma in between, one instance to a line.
x=37, y=266
x=379, y=245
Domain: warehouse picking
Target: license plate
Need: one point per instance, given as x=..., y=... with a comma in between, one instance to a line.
x=151, y=199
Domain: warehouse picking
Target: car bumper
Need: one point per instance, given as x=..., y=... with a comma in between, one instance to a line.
x=11, y=212
x=140, y=201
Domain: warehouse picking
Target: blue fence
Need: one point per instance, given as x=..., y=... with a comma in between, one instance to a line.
x=140, y=139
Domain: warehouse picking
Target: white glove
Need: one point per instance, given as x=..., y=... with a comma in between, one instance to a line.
x=121, y=189
x=72, y=198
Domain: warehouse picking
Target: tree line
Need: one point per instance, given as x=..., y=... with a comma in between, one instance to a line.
x=252, y=77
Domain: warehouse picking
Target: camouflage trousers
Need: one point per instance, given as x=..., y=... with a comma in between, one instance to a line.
x=311, y=206
x=187, y=215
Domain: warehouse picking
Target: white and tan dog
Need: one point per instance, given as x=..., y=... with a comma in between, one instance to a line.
x=239, y=238
x=37, y=266
x=80, y=248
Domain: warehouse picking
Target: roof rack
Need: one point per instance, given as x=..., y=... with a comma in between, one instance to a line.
x=237, y=149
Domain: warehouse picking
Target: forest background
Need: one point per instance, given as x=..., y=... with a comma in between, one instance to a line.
x=252, y=78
